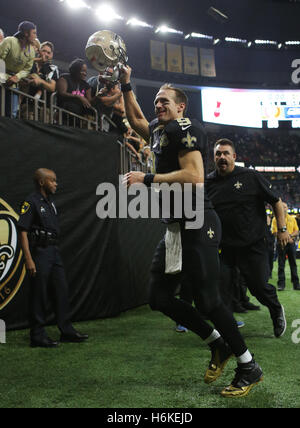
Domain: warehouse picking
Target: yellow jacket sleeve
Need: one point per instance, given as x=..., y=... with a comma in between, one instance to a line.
x=274, y=226
x=295, y=225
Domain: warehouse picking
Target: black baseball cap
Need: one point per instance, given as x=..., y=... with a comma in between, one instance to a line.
x=25, y=26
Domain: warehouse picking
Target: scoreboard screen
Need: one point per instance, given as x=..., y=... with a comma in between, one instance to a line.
x=250, y=107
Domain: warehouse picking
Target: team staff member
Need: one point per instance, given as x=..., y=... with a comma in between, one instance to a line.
x=39, y=233
x=179, y=145
x=238, y=196
x=289, y=250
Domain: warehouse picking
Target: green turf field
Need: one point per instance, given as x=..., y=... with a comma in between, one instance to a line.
x=137, y=360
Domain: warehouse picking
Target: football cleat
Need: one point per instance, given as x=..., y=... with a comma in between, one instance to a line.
x=181, y=329
x=279, y=323
x=246, y=377
x=240, y=324
x=221, y=354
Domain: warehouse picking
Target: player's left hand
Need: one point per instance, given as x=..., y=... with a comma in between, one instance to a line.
x=133, y=177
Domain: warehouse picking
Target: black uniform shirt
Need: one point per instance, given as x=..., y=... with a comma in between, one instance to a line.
x=168, y=141
x=239, y=200
x=38, y=213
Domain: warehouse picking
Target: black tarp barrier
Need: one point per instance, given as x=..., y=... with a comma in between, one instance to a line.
x=107, y=261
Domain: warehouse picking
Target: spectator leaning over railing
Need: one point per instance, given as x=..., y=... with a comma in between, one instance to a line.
x=119, y=116
x=36, y=46
x=104, y=96
x=73, y=91
x=44, y=76
x=132, y=141
x=18, y=54
x=1, y=35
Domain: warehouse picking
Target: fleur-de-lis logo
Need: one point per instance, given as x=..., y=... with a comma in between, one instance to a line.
x=189, y=141
x=12, y=269
x=6, y=253
x=238, y=185
x=211, y=233
x=163, y=140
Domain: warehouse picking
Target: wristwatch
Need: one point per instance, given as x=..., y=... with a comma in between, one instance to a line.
x=282, y=229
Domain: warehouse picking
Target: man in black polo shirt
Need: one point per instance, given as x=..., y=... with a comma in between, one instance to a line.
x=39, y=232
x=239, y=195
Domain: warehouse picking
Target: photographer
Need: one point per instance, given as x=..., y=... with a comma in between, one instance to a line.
x=104, y=95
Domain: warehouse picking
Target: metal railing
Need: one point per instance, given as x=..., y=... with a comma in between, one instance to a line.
x=20, y=105
x=130, y=162
x=61, y=116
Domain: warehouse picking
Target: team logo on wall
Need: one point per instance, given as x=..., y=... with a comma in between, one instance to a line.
x=12, y=269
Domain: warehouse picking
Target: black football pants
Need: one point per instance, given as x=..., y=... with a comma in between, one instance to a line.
x=201, y=269
x=49, y=284
x=253, y=264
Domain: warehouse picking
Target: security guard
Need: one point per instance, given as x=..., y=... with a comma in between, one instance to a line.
x=39, y=233
x=239, y=195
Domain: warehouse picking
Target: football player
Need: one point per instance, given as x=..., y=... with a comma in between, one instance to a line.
x=179, y=147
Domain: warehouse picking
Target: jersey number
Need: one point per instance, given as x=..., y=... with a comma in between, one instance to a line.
x=183, y=122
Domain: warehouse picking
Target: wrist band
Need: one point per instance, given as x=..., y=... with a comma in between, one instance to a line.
x=148, y=179
x=126, y=87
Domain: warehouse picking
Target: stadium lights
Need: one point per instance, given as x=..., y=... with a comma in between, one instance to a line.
x=199, y=36
x=137, y=23
x=235, y=40
x=77, y=4
x=292, y=42
x=165, y=29
x=265, y=42
x=106, y=13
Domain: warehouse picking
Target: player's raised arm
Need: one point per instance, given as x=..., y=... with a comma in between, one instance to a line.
x=134, y=114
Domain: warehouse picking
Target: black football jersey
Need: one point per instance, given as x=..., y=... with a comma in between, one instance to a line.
x=167, y=141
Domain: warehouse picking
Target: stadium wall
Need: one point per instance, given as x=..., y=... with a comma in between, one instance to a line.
x=107, y=261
